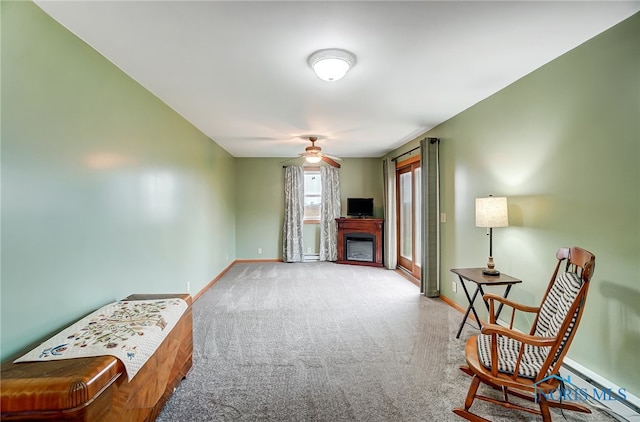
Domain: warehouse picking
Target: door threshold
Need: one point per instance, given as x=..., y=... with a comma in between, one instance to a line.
x=406, y=274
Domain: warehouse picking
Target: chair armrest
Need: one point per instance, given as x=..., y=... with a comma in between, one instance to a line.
x=492, y=296
x=516, y=335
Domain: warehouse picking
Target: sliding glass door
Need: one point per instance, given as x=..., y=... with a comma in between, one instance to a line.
x=408, y=177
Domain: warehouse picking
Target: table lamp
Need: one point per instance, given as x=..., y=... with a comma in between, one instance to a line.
x=491, y=212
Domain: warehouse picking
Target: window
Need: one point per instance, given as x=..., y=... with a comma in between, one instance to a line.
x=312, y=195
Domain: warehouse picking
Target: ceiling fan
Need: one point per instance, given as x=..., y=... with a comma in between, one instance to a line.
x=313, y=154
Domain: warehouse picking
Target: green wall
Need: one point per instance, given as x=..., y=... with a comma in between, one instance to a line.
x=362, y=177
x=105, y=190
x=260, y=201
x=563, y=144
x=260, y=209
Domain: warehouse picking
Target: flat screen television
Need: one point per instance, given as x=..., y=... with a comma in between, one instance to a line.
x=360, y=207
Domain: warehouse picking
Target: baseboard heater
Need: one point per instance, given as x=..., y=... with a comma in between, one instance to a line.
x=625, y=409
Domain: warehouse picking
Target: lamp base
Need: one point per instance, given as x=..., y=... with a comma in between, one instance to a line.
x=491, y=268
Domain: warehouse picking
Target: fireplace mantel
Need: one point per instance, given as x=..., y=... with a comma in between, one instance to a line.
x=358, y=227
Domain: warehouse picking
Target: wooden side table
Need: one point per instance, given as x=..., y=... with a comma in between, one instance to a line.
x=474, y=275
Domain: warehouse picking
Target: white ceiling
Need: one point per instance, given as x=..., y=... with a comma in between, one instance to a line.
x=238, y=71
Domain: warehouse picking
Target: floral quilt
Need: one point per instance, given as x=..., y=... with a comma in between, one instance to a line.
x=130, y=330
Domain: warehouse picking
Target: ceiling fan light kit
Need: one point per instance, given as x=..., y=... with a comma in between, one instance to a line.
x=313, y=154
x=331, y=64
x=313, y=159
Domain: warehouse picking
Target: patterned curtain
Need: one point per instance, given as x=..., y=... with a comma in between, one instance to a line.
x=390, y=223
x=329, y=211
x=430, y=215
x=292, y=245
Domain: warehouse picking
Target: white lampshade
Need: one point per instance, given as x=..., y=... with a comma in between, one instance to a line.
x=332, y=64
x=492, y=212
x=313, y=159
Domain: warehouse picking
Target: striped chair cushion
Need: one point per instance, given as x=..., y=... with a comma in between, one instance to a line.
x=552, y=313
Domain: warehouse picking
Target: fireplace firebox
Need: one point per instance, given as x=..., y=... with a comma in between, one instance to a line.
x=360, y=241
x=360, y=247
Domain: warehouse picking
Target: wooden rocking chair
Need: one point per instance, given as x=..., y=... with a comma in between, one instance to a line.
x=528, y=365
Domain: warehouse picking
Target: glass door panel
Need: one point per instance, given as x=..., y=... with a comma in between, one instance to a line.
x=417, y=203
x=406, y=208
x=408, y=211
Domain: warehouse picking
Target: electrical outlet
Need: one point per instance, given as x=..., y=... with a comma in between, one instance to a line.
x=226, y=257
x=454, y=287
x=443, y=217
x=308, y=249
x=188, y=287
x=259, y=251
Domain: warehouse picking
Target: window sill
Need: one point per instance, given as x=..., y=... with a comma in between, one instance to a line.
x=311, y=221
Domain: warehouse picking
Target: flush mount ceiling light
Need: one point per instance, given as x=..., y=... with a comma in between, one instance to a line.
x=331, y=64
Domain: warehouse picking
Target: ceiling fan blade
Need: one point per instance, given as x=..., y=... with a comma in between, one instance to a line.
x=333, y=157
x=330, y=161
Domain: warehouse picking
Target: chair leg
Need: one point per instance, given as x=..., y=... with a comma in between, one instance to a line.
x=471, y=395
x=544, y=408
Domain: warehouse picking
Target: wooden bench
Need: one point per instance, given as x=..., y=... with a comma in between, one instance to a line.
x=96, y=388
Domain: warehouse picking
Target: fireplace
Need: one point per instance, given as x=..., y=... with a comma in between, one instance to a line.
x=360, y=241
x=359, y=247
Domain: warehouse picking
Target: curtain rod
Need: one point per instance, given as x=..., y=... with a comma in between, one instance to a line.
x=405, y=153
x=431, y=141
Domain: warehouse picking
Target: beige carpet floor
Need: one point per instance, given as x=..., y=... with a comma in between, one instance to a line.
x=327, y=342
